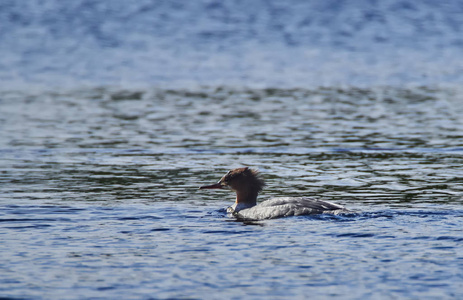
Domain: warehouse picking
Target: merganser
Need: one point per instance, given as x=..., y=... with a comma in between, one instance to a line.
x=247, y=184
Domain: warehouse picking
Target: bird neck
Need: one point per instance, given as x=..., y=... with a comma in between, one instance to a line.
x=246, y=197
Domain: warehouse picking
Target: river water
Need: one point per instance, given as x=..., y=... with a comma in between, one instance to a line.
x=112, y=117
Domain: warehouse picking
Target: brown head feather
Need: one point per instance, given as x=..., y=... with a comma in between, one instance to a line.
x=244, y=177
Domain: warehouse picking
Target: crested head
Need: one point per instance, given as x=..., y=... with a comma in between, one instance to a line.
x=244, y=181
x=243, y=178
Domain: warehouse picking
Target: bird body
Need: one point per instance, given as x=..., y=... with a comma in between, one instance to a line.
x=247, y=184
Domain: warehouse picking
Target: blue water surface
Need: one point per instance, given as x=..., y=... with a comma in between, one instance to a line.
x=259, y=43
x=113, y=113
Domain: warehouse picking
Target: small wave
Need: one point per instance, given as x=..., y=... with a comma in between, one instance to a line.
x=36, y=226
x=225, y=232
x=356, y=235
x=139, y=218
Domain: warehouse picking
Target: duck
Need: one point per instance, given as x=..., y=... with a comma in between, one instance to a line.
x=247, y=184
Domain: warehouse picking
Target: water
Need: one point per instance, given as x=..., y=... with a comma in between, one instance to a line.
x=99, y=193
x=112, y=116
x=264, y=43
